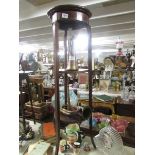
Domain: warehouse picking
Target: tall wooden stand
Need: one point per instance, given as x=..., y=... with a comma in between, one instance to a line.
x=63, y=18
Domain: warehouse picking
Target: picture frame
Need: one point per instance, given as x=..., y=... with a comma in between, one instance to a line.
x=83, y=78
x=104, y=84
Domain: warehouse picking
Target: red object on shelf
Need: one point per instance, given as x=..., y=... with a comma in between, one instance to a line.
x=48, y=130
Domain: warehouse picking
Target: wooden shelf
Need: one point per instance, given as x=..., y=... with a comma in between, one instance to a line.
x=48, y=64
x=73, y=71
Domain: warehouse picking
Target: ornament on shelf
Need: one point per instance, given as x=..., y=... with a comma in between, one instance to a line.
x=119, y=46
x=96, y=63
x=119, y=52
x=133, y=57
x=128, y=55
x=108, y=63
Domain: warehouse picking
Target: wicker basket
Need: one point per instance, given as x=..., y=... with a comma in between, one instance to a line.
x=69, y=111
x=78, y=114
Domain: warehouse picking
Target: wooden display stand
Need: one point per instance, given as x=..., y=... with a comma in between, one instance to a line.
x=40, y=111
x=35, y=107
x=67, y=18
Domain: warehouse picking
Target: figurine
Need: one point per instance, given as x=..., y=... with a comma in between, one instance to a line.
x=117, y=86
x=128, y=56
x=119, y=52
x=86, y=147
x=133, y=58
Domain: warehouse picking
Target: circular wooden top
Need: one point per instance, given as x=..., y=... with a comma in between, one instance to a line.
x=63, y=8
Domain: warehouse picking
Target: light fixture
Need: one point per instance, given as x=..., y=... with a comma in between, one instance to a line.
x=81, y=42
